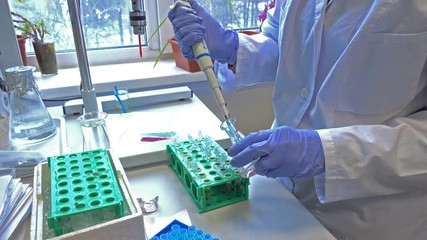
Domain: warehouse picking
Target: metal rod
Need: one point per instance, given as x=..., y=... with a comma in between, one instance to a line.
x=87, y=91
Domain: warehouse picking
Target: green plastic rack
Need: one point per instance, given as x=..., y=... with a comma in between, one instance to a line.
x=84, y=191
x=204, y=169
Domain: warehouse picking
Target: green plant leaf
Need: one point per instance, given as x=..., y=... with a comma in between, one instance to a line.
x=160, y=54
x=157, y=29
x=230, y=6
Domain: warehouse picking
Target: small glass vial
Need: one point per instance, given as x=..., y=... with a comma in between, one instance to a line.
x=29, y=120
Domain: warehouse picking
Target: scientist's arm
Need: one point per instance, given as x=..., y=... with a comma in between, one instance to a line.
x=257, y=57
x=374, y=160
x=192, y=25
x=347, y=162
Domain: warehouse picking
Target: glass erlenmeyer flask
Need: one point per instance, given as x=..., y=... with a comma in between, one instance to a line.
x=29, y=120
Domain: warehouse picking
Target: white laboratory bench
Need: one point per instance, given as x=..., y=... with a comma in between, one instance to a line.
x=271, y=212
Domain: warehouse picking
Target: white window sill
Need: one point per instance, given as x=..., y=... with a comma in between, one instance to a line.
x=135, y=76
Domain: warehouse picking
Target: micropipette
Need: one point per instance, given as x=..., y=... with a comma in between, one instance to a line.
x=204, y=60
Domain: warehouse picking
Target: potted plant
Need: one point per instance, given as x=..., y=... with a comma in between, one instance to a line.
x=21, y=44
x=44, y=51
x=180, y=60
x=192, y=65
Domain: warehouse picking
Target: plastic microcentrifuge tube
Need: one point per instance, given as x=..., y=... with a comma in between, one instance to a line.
x=182, y=231
x=191, y=229
x=199, y=232
x=193, y=166
x=190, y=235
x=223, y=157
x=201, y=136
x=164, y=236
x=207, y=236
x=217, y=151
x=175, y=227
x=235, y=135
x=175, y=141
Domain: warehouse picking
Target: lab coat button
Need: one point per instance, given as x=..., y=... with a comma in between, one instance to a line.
x=304, y=93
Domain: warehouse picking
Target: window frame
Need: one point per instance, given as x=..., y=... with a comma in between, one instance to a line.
x=155, y=12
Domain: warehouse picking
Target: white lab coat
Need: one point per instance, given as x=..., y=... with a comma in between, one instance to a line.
x=355, y=70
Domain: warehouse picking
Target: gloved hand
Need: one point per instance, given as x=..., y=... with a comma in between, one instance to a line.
x=194, y=25
x=283, y=152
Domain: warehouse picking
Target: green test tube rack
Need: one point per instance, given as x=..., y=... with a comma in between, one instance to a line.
x=84, y=191
x=204, y=170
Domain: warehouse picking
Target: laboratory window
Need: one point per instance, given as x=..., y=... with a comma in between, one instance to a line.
x=106, y=24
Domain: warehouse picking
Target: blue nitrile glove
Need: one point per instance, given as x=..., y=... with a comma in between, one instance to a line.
x=194, y=25
x=283, y=152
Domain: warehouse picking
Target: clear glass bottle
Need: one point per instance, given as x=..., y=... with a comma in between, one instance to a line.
x=29, y=120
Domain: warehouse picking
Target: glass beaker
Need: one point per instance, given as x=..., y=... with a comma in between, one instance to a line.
x=94, y=131
x=123, y=95
x=29, y=120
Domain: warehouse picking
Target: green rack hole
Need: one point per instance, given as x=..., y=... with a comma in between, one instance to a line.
x=62, y=176
x=105, y=184
x=90, y=179
x=78, y=197
x=108, y=191
x=76, y=181
x=80, y=206
x=95, y=203
x=64, y=209
x=62, y=184
x=61, y=164
x=63, y=191
x=93, y=194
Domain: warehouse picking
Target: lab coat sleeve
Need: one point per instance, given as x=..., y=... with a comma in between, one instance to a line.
x=374, y=160
x=257, y=57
